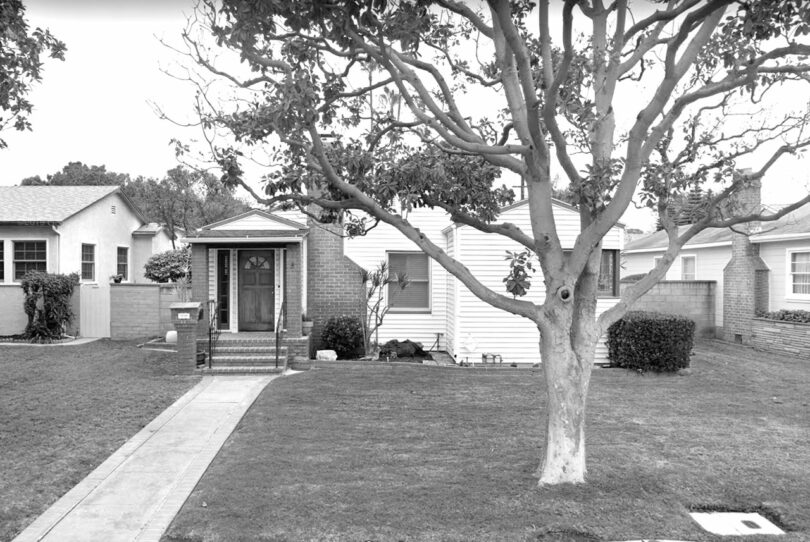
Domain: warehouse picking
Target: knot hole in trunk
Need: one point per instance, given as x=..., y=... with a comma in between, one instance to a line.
x=565, y=294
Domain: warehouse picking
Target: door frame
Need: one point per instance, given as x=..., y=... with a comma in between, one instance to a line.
x=279, y=260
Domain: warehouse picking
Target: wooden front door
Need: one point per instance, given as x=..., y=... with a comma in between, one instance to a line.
x=256, y=290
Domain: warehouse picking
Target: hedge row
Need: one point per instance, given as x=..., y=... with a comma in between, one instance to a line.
x=784, y=315
x=651, y=341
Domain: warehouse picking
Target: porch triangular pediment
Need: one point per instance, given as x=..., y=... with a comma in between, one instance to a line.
x=255, y=220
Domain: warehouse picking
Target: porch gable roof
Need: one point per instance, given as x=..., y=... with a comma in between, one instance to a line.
x=245, y=236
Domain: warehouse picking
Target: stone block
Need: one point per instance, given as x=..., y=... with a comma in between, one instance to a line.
x=326, y=355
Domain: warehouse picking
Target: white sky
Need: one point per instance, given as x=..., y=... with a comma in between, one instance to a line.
x=94, y=107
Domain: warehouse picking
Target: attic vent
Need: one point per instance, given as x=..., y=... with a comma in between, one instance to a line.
x=112, y=209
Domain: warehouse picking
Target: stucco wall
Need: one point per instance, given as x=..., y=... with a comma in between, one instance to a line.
x=693, y=299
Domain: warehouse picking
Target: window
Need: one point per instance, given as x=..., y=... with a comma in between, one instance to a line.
x=799, y=273
x=608, y=284
x=88, y=262
x=122, y=267
x=688, y=268
x=657, y=260
x=416, y=296
x=29, y=256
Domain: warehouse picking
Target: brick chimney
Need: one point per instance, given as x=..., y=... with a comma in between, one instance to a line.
x=334, y=287
x=745, y=277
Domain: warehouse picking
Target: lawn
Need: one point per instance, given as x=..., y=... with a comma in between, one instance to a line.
x=64, y=409
x=412, y=453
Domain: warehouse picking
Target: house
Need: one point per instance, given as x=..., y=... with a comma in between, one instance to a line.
x=766, y=268
x=264, y=265
x=94, y=231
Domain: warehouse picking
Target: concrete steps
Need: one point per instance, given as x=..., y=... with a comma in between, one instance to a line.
x=245, y=355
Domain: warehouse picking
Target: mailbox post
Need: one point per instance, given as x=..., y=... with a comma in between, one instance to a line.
x=184, y=317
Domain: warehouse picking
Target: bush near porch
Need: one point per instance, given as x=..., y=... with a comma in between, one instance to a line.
x=65, y=409
x=413, y=453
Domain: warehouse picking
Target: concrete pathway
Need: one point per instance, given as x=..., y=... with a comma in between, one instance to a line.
x=137, y=491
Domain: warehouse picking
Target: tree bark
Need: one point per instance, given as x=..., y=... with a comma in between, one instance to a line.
x=567, y=377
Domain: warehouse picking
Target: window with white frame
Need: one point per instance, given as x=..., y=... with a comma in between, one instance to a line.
x=29, y=256
x=88, y=262
x=122, y=262
x=415, y=267
x=799, y=273
x=688, y=268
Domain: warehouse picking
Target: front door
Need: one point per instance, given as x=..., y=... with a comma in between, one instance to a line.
x=256, y=290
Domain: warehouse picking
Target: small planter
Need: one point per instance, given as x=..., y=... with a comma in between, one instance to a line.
x=306, y=325
x=201, y=358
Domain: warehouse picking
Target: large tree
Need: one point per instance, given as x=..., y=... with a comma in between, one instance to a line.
x=630, y=101
x=21, y=52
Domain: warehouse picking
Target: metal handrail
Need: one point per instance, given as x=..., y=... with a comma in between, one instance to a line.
x=282, y=312
x=213, y=328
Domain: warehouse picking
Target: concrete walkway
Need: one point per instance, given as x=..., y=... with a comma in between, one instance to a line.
x=137, y=491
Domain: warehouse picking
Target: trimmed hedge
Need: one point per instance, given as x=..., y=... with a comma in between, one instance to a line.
x=651, y=341
x=797, y=316
x=344, y=335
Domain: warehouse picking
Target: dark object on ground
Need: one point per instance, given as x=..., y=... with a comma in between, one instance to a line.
x=395, y=349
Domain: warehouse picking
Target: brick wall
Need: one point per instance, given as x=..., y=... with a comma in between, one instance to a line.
x=691, y=298
x=140, y=310
x=199, y=288
x=333, y=280
x=788, y=337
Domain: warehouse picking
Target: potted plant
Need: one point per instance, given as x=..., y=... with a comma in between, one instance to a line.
x=117, y=278
x=306, y=324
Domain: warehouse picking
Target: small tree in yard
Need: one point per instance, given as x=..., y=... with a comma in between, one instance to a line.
x=47, y=304
x=647, y=101
x=376, y=282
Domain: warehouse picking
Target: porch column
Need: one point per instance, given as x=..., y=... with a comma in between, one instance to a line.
x=292, y=289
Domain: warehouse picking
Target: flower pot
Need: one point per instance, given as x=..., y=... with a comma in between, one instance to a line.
x=200, y=358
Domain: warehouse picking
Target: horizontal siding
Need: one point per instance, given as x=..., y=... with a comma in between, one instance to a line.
x=775, y=256
x=450, y=288
x=253, y=222
x=368, y=251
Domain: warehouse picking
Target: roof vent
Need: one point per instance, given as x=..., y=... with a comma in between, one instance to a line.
x=112, y=209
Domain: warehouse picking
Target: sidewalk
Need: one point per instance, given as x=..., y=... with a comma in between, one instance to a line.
x=137, y=491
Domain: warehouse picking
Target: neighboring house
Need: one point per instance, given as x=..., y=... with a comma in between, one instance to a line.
x=256, y=261
x=94, y=231
x=771, y=268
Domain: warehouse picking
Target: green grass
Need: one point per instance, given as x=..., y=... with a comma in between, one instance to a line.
x=65, y=409
x=410, y=453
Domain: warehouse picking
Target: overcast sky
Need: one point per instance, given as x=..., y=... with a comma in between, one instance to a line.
x=95, y=106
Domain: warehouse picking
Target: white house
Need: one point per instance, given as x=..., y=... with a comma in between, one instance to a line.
x=437, y=309
x=783, y=265
x=94, y=231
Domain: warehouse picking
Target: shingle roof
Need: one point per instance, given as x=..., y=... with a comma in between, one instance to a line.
x=48, y=204
x=796, y=223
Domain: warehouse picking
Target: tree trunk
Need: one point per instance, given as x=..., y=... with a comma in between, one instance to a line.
x=567, y=377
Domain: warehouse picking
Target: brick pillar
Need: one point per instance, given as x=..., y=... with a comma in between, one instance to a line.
x=334, y=286
x=292, y=289
x=185, y=318
x=740, y=274
x=199, y=281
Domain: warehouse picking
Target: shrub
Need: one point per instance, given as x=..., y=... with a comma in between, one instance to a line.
x=344, y=335
x=651, y=341
x=784, y=315
x=47, y=304
x=170, y=265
